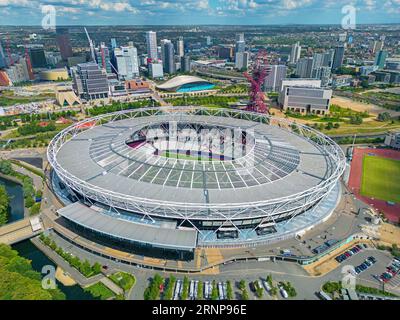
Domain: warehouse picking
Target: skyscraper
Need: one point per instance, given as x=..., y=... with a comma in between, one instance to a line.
x=64, y=43
x=185, y=64
x=328, y=58
x=240, y=45
x=323, y=74
x=338, y=58
x=242, y=60
x=295, y=53
x=168, y=56
x=127, y=62
x=208, y=41
x=380, y=59
x=318, y=60
x=151, y=44
x=304, y=67
x=180, y=47
x=90, y=82
x=273, y=81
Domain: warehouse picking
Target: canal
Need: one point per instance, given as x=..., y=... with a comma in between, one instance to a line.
x=29, y=251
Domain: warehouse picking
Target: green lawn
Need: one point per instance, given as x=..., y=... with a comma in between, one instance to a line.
x=380, y=179
x=123, y=280
x=99, y=290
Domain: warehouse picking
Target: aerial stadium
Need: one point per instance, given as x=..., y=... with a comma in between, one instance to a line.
x=186, y=84
x=172, y=179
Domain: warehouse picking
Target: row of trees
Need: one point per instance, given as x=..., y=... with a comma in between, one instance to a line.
x=152, y=292
x=34, y=127
x=118, y=106
x=18, y=281
x=83, y=267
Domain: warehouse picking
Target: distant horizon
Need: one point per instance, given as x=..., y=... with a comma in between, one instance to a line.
x=199, y=12
x=205, y=24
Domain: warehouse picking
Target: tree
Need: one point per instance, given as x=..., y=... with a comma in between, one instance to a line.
x=245, y=294
x=356, y=119
x=96, y=268
x=214, y=291
x=200, y=291
x=185, y=288
x=18, y=281
x=229, y=290
x=242, y=285
x=4, y=205
x=384, y=116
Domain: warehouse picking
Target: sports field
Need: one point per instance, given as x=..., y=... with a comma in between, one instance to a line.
x=381, y=178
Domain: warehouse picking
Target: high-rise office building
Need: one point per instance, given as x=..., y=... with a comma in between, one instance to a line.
x=208, y=41
x=185, y=64
x=304, y=67
x=168, y=56
x=275, y=75
x=323, y=74
x=3, y=61
x=242, y=60
x=151, y=44
x=37, y=56
x=338, y=58
x=64, y=43
x=380, y=59
x=90, y=82
x=180, y=47
x=127, y=63
x=295, y=53
x=328, y=58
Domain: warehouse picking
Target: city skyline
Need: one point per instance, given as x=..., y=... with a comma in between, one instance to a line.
x=202, y=12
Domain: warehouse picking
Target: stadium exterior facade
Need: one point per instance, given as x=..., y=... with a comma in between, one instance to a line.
x=130, y=178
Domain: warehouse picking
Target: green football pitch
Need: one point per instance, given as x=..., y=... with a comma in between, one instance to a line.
x=381, y=178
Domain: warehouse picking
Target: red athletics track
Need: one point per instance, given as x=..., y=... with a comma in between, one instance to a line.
x=392, y=213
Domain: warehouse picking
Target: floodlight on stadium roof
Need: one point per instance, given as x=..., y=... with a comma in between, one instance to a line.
x=288, y=167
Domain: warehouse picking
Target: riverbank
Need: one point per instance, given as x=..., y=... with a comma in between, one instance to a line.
x=38, y=259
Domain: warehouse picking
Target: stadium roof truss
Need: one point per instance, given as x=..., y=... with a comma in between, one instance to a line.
x=262, y=211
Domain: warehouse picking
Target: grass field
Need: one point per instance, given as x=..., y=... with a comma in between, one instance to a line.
x=380, y=178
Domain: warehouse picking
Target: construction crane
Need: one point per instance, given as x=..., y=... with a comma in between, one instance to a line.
x=91, y=45
x=256, y=79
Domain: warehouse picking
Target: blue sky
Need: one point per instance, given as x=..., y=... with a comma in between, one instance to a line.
x=142, y=12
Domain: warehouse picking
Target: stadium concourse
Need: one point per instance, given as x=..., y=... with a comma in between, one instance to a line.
x=165, y=181
x=390, y=209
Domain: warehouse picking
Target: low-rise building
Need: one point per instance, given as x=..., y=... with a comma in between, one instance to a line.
x=306, y=99
x=393, y=140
